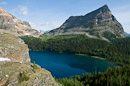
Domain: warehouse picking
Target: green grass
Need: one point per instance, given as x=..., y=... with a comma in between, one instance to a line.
x=46, y=38
x=35, y=67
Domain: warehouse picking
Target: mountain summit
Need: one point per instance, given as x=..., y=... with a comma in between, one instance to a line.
x=96, y=24
x=10, y=24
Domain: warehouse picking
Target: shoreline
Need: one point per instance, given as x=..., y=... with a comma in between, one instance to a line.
x=96, y=57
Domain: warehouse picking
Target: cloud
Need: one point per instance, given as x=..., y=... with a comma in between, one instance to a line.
x=44, y=26
x=49, y=25
x=21, y=9
x=3, y=3
x=32, y=24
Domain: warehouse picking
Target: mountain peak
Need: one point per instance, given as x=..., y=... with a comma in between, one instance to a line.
x=105, y=8
x=102, y=10
x=1, y=9
x=96, y=24
x=3, y=12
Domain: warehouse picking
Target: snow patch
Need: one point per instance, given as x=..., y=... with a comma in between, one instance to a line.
x=25, y=25
x=27, y=34
x=16, y=26
x=4, y=59
x=15, y=20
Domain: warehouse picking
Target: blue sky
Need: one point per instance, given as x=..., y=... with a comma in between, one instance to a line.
x=50, y=14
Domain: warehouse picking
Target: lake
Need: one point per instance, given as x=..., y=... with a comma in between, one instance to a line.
x=66, y=65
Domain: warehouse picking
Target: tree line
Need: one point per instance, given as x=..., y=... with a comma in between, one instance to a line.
x=117, y=51
x=111, y=77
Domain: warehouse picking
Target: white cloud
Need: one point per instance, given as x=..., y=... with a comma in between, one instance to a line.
x=45, y=26
x=3, y=3
x=49, y=26
x=21, y=9
x=32, y=24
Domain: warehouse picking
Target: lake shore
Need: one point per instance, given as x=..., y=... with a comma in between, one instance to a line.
x=96, y=57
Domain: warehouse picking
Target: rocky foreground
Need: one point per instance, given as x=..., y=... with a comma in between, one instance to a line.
x=15, y=66
x=17, y=74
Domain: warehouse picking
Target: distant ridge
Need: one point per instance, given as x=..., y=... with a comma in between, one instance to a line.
x=127, y=34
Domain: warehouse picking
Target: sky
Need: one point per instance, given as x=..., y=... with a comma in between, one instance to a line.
x=50, y=14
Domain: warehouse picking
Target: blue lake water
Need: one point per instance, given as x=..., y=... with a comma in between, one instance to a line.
x=66, y=65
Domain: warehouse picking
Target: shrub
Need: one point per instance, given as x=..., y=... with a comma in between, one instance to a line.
x=23, y=77
x=35, y=67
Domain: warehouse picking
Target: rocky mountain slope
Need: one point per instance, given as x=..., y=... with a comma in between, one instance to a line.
x=15, y=66
x=10, y=24
x=96, y=24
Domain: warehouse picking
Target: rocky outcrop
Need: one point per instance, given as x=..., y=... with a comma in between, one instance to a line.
x=15, y=66
x=13, y=49
x=96, y=24
x=10, y=24
x=31, y=76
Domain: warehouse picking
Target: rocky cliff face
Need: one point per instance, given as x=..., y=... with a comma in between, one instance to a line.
x=13, y=49
x=15, y=66
x=96, y=24
x=12, y=25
